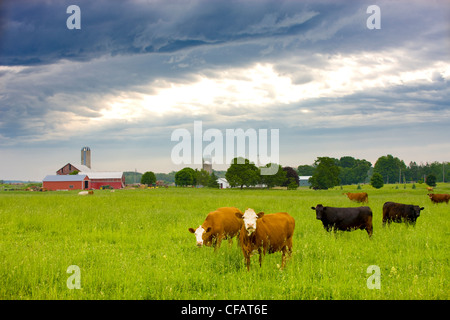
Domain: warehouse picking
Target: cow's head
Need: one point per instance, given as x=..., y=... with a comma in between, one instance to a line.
x=430, y=195
x=200, y=235
x=250, y=218
x=320, y=209
x=415, y=211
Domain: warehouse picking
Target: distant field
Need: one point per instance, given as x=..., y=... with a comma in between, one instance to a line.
x=135, y=244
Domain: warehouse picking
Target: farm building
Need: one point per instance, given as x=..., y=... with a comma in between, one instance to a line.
x=69, y=168
x=66, y=182
x=304, y=181
x=98, y=179
x=223, y=183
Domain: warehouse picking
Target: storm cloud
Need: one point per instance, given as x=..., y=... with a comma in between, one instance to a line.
x=137, y=70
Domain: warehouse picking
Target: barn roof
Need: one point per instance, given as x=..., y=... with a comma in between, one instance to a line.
x=60, y=178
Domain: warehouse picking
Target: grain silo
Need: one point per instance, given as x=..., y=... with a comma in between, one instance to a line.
x=86, y=157
x=207, y=164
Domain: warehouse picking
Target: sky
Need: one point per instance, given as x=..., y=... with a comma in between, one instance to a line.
x=136, y=71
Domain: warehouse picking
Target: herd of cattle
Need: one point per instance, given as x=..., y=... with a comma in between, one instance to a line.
x=269, y=233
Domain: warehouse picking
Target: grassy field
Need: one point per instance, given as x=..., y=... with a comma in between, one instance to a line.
x=135, y=244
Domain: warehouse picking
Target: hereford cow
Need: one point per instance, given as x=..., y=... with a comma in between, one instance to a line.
x=218, y=225
x=397, y=212
x=266, y=233
x=345, y=219
x=358, y=196
x=438, y=198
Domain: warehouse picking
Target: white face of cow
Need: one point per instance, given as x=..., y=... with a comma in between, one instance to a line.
x=250, y=218
x=199, y=236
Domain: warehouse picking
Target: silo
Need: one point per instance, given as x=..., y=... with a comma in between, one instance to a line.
x=207, y=164
x=86, y=157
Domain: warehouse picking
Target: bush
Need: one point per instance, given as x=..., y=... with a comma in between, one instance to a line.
x=431, y=180
x=148, y=178
x=292, y=184
x=377, y=181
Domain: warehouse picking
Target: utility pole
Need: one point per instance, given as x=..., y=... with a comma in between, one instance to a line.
x=443, y=171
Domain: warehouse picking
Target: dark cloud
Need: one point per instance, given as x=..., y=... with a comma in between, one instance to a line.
x=56, y=83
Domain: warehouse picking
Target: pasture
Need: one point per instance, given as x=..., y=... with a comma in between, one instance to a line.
x=135, y=244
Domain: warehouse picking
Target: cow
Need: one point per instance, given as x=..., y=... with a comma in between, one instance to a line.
x=430, y=189
x=85, y=193
x=218, y=225
x=358, y=196
x=438, y=198
x=266, y=233
x=345, y=219
x=398, y=212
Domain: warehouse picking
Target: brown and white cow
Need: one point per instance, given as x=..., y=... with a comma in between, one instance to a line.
x=358, y=196
x=438, y=198
x=218, y=225
x=266, y=233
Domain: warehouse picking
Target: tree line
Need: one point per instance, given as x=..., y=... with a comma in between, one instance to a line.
x=325, y=172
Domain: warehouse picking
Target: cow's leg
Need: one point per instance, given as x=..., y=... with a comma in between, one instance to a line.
x=218, y=242
x=369, y=230
x=260, y=256
x=283, y=257
x=247, y=261
x=230, y=241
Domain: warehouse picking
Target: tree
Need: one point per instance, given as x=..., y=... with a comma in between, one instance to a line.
x=377, y=180
x=431, y=180
x=201, y=177
x=276, y=179
x=326, y=174
x=148, y=178
x=353, y=170
x=389, y=168
x=212, y=183
x=291, y=174
x=185, y=177
x=242, y=172
x=292, y=185
x=305, y=170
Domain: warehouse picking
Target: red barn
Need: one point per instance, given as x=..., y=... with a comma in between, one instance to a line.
x=66, y=182
x=98, y=179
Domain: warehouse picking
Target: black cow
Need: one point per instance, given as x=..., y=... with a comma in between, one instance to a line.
x=398, y=212
x=345, y=219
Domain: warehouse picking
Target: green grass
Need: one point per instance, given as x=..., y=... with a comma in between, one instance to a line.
x=135, y=244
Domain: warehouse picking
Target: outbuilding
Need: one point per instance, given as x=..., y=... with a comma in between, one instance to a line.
x=304, y=181
x=223, y=183
x=66, y=182
x=98, y=179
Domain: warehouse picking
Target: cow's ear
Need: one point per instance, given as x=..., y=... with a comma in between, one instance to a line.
x=422, y=208
x=260, y=215
x=191, y=230
x=238, y=215
x=313, y=208
x=208, y=229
